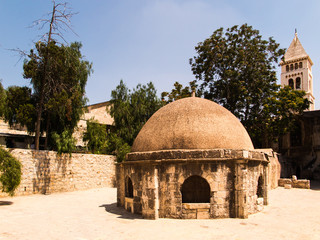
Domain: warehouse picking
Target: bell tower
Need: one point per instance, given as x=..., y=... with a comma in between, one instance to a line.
x=296, y=70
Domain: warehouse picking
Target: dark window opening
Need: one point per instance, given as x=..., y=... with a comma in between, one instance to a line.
x=195, y=189
x=300, y=64
x=298, y=83
x=296, y=136
x=291, y=84
x=129, y=188
x=287, y=68
x=291, y=67
x=296, y=66
x=260, y=187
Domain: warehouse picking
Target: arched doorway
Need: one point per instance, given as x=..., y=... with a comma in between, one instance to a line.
x=260, y=187
x=195, y=189
x=128, y=188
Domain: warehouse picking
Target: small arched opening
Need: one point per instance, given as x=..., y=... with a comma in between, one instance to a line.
x=128, y=188
x=195, y=189
x=291, y=67
x=287, y=68
x=298, y=83
x=296, y=66
x=291, y=84
x=300, y=64
x=260, y=187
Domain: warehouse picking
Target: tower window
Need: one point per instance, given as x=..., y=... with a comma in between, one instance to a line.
x=291, y=67
x=298, y=83
x=300, y=64
x=287, y=68
x=291, y=84
x=296, y=66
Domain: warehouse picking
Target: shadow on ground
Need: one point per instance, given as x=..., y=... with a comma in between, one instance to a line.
x=315, y=185
x=5, y=203
x=112, y=208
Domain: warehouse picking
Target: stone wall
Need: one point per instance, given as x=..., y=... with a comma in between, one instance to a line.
x=46, y=172
x=157, y=186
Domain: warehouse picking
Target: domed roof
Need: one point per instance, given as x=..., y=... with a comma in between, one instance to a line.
x=192, y=123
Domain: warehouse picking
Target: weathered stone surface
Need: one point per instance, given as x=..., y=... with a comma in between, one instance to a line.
x=197, y=155
x=192, y=123
x=294, y=182
x=45, y=172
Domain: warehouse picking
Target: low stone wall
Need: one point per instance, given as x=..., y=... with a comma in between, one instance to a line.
x=46, y=172
x=294, y=182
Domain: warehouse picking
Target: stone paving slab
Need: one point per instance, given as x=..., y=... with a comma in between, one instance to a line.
x=93, y=215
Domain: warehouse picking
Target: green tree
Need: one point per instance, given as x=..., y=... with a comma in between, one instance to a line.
x=64, y=88
x=64, y=142
x=237, y=69
x=96, y=137
x=42, y=65
x=130, y=111
x=20, y=107
x=180, y=92
x=280, y=114
x=10, y=172
x=2, y=100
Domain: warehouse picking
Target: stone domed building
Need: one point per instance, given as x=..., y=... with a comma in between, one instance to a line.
x=193, y=159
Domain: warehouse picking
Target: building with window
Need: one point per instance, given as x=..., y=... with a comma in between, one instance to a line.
x=296, y=70
x=300, y=148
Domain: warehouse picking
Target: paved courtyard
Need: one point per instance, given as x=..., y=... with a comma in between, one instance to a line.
x=291, y=214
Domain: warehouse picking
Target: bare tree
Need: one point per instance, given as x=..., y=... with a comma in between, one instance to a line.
x=58, y=21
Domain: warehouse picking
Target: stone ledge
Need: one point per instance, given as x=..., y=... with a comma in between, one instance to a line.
x=198, y=154
x=196, y=205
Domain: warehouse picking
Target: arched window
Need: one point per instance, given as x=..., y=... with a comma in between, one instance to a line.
x=291, y=67
x=300, y=64
x=128, y=188
x=298, y=83
x=291, y=84
x=260, y=187
x=287, y=68
x=195, y=189
x=296, y=66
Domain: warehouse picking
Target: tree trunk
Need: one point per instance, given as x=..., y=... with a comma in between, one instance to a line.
x=39, y=114
x=47, y=133
x=43, y=80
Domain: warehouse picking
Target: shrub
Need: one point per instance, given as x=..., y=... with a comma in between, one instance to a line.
x=10, y=172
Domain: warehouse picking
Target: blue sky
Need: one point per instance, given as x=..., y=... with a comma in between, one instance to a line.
x=151, y=40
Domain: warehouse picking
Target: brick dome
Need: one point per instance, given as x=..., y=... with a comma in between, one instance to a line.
x=192, y=123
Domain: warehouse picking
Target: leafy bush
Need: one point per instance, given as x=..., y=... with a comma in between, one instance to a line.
x=10, y=172
x=96, y=137
x=64, y=143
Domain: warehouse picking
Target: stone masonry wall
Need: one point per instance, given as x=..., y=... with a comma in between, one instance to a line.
x=46, y=172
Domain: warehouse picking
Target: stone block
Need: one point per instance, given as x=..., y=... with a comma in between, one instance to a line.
x=203, y=214
x=283, y=181
x=301, y=184
x=287, y=186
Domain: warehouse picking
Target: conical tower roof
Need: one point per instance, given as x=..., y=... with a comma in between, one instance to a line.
x=295, y=51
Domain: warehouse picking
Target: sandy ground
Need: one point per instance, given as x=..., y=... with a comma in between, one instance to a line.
x=291, y=214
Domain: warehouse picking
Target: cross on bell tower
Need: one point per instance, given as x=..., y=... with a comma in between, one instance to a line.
x=296, y=69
